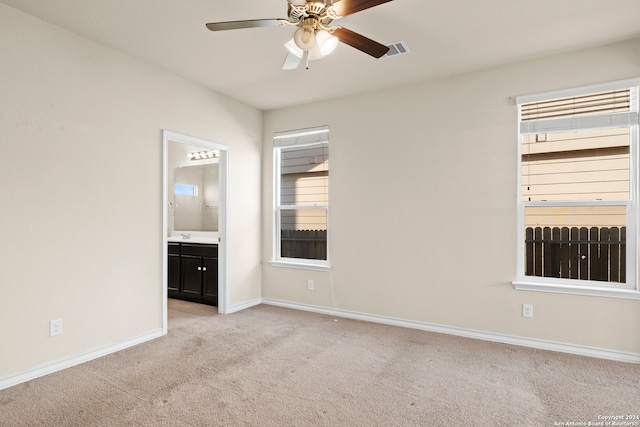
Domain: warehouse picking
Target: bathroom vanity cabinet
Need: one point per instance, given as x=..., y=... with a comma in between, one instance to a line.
x=193, y=272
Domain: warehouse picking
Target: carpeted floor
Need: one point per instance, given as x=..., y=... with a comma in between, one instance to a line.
x=270, y=366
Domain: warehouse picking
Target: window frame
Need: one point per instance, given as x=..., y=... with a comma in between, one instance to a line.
x=628, y=290
x=302, y=138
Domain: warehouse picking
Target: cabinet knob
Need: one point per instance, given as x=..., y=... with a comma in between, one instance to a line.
x=204, y=268
x=199, y=268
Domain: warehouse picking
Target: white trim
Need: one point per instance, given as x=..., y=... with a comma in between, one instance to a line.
x=581, y=350
x=302, y=265
x=69, y=362
x=520, y=248
x=225, y=236
x=223, y=223
x=165, y=221
x=557, y=288
x=576, y=91
x=634, y=221
x=275, y=241
x=244, y=305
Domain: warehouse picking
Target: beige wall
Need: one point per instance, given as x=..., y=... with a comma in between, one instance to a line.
x=422, y=197
x=81, y=190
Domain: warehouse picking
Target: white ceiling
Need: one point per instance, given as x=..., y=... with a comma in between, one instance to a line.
x=445, y=38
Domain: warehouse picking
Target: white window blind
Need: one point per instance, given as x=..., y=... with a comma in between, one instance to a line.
x=612, y=108
x=614, y=101
x=301, y=137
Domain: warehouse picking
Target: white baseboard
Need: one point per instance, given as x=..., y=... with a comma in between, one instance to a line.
x=601, y=353
x=247, y=304
x=59, y=365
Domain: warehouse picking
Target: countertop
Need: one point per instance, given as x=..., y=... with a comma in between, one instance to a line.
x=204, y=238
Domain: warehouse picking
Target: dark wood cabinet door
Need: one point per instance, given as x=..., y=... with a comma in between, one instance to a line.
x=210, y=277
x=191, y=270
x=173, y=272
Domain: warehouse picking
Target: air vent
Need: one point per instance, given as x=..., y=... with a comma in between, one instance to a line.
x=397, y=48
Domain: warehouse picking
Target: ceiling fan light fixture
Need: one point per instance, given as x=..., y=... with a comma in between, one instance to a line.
x=305, y=37
x=314, y=36
x=326, y=41
x=314, y=53
x=293, y=48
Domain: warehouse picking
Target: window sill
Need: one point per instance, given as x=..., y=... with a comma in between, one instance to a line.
x=523, y=285
x=300, y=265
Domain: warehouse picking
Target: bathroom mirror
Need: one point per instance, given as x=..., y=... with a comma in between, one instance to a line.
x=193, y=184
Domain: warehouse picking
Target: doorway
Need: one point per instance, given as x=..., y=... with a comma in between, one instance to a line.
x=214, y=213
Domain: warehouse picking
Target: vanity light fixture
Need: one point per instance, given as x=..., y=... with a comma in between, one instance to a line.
x=201, y=155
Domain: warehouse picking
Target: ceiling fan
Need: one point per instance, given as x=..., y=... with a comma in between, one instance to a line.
x=316, y=36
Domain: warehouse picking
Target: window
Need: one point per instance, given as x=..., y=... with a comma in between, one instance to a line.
x=577, y=195
x=185, y=189
x=301, y=160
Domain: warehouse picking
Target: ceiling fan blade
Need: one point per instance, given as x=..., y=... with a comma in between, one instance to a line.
x=291, y=62
x=348, y=7
x=361, y=42
x=252, y=23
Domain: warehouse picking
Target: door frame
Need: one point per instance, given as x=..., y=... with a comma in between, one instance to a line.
x=223, y=226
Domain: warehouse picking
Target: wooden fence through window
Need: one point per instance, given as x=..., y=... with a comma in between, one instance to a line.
x=596, y=253
x=308, y=244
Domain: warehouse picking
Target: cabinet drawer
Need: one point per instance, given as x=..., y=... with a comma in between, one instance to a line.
x=174, y=248
x=200, y=250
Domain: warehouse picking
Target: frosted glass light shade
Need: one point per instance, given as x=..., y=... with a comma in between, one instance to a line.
x=305, y=38
x=314, y=53
x=327, y=42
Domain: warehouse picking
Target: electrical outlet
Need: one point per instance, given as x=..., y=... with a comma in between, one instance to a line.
x=310, y=285
x=527, y=310
x=55, y=327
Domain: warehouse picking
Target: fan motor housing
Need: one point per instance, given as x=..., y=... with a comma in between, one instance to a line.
x=320, y=11
x=316, y=8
